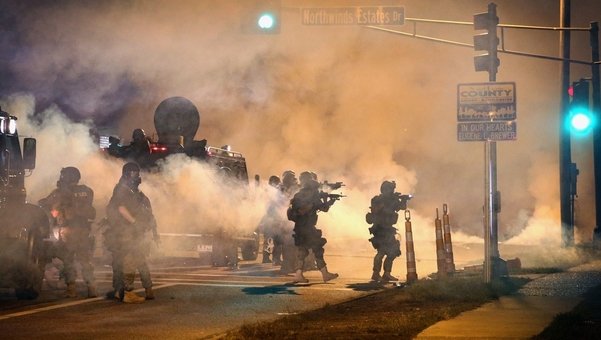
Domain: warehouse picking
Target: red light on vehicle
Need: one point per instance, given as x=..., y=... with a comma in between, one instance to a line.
x=158, y=149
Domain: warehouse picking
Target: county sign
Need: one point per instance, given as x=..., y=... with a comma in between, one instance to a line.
x=486, y=112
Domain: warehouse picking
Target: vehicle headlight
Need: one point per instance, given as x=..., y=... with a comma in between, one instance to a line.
x=12, y=126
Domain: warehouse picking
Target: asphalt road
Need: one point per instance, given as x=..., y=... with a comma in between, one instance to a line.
x=192, y=301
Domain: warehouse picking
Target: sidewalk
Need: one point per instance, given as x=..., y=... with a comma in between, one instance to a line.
x=524, y=314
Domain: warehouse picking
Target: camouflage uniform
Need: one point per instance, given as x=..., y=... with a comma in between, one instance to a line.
x=303, y=211
x=126, y=239
x=383, y=216
x=272, y=225
x=289, y=187
x=70, y=205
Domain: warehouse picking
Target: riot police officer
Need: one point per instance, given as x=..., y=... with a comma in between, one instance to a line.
x=130, y=216
x=273, y=224
x=289, y=184
x=70, y=206
x=383, y=215
x=303, y=211
x=139, y=148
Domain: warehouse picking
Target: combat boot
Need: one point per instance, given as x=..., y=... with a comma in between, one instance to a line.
x=131, y=297
x=119, y=293
x=375, y=277
x=299, y=278
x=266, y=258
x=92, y=291
x=71, y=291
x=387, y=277
x=149, y=293
x=327, y=276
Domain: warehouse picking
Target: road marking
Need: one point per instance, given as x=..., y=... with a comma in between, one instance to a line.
x=71, y=303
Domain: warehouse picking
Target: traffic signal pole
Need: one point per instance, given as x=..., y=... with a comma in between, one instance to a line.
x=490, y=63
x=594, y=41
x=565, y=148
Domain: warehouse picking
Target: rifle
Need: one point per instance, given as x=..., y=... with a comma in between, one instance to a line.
x=333, y=186
x=403, y=199
x=335, y=197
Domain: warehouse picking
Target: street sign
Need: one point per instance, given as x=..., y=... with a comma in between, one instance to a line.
x=481, y=102
x=373, y=15
x=486, y=131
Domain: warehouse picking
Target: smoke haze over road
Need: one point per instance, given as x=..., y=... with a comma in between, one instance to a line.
x=350, y=103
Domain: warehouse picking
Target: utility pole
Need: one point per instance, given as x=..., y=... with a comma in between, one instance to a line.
x=565, y=152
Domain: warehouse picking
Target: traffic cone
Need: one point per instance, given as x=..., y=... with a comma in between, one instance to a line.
x=448, y=244
x=440, y=253
x=411, y=269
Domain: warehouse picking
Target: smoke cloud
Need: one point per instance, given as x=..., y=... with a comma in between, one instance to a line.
x=349, y=103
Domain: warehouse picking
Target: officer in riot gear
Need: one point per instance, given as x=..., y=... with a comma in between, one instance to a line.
x=139, y=148
x=289, y=187
x=383, y=215
x=303, y=211
x=71, y=209
x=290, y=184
x=273, y=225
x=130, y=217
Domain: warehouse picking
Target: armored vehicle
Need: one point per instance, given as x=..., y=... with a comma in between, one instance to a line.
x=176, y=120
x=23, y=226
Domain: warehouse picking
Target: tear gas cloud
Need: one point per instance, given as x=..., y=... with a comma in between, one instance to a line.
x=349, y=103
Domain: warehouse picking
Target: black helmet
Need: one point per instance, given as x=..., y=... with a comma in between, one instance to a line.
x=274, y=181
x=130, y=167
x=288, y=174
x=305, y=177
x=387, y=187
x=138, y=134
x=70, y=175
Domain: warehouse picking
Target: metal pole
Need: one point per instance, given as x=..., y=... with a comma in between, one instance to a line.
x=488, y=211
x=494, y=226
x=594, y=40
x=490, y=181
x=565, y=152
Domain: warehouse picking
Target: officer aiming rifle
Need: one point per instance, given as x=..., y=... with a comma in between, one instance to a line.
x=384, y=215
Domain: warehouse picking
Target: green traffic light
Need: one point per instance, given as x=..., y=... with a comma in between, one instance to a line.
x=581, y=122
x=266, y=21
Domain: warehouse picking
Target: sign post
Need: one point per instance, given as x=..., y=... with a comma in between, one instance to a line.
x=487, y=112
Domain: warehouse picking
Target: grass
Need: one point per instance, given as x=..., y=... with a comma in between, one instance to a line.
x=399, y=313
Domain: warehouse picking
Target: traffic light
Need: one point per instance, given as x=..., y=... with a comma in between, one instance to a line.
x=263, y=17
x=580, y=119
x=487, y=41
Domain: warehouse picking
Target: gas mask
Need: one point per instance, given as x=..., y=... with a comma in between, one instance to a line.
x=133, y=180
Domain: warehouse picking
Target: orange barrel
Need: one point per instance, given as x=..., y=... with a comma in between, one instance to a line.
x=411, y=270
x=440, y=253
x=448, y=245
